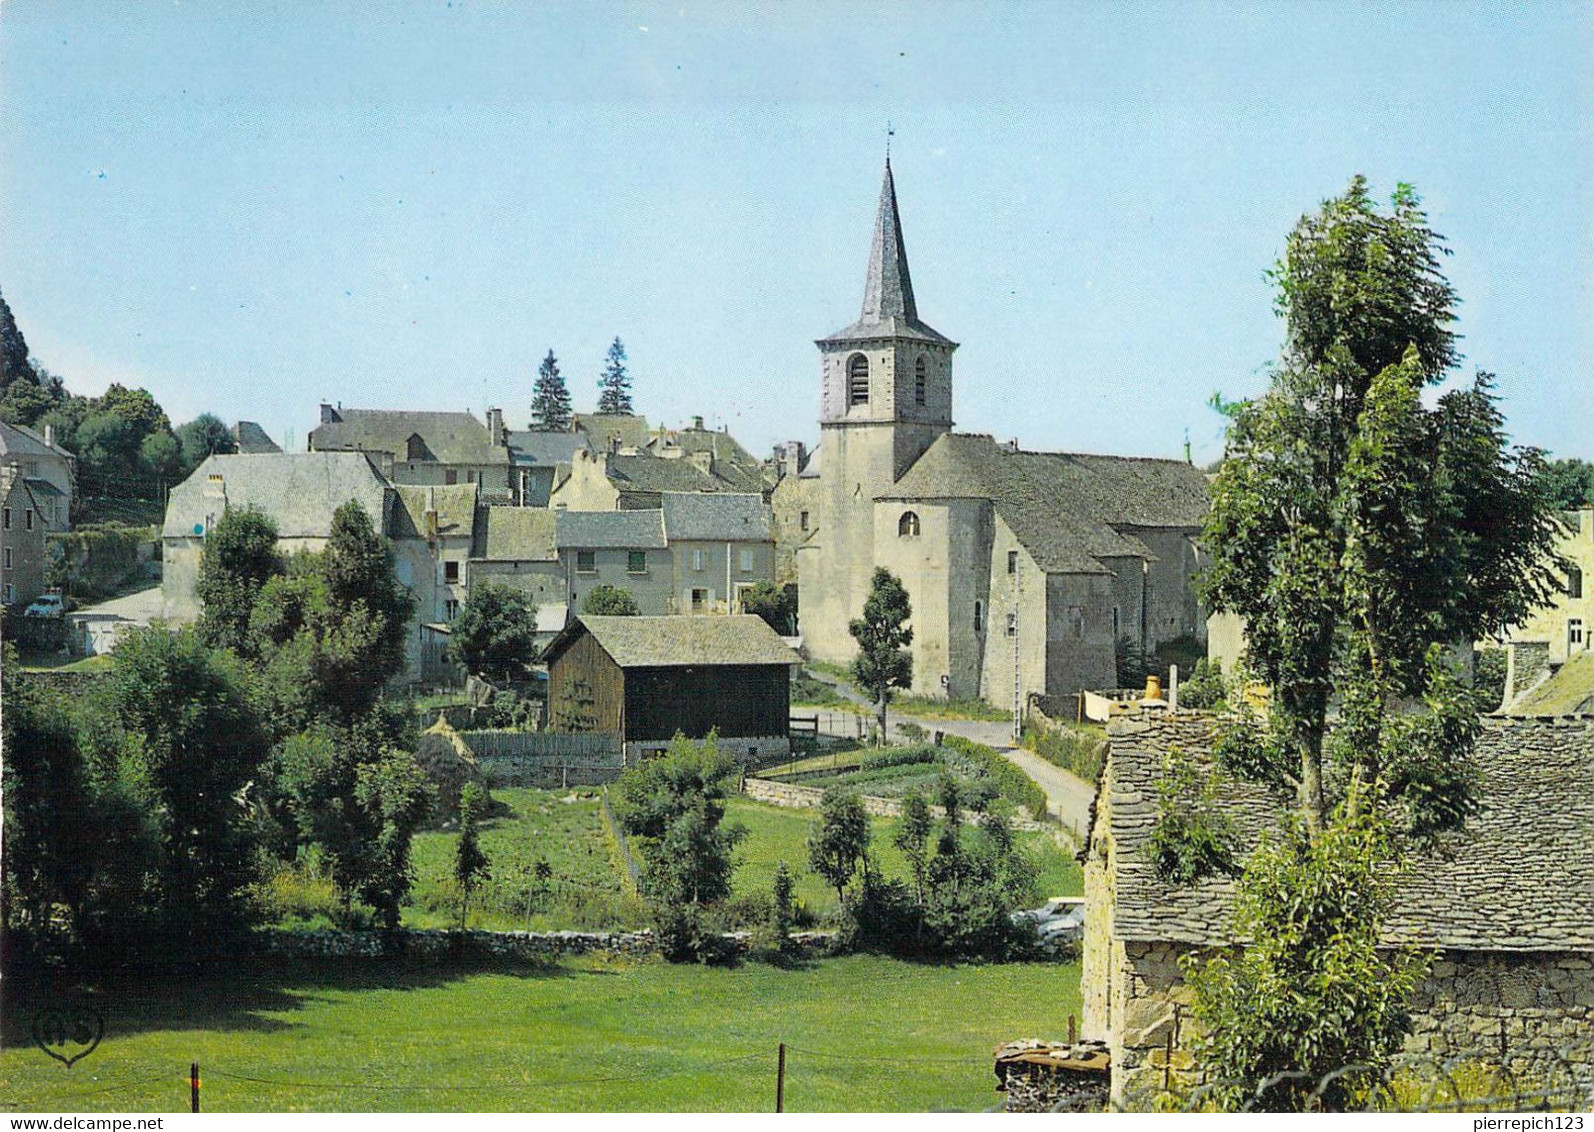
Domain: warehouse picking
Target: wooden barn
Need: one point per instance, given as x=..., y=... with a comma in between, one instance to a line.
x=649, y=678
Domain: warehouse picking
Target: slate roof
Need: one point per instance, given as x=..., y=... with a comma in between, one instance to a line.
x=455, y=504
x=1569, y=690
x=721, y=445
x=653, y=474
x=516, y=534
x=667, y=642
x=300, y=491
x=450, y=438
x=20, y=440
x=252, y=439
x=534, y=447
x=1070, y=511
x=689, y=516
x=632, y=428
x=618, y=530
x=1520, y=877
x=889, y=310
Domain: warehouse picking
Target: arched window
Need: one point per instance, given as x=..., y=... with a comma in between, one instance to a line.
x=857, y=380
x=908, y=525
x=920, y=380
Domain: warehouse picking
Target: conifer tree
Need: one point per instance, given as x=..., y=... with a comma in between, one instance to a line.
x=615, y=382
x=550, y=402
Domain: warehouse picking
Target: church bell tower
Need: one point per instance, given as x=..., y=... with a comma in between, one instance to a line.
x=886, y=395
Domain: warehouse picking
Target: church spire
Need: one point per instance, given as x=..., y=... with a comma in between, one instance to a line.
x=888, y=289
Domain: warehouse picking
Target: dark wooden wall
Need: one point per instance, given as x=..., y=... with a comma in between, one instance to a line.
x=735, y=700
x=586, y=689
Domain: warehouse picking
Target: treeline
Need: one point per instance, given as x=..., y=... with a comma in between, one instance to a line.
x=124, y=441
x=150, y=811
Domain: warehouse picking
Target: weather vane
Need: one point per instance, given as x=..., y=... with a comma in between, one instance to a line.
x=889, y=133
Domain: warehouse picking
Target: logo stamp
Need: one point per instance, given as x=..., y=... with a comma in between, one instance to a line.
x=68, y=1032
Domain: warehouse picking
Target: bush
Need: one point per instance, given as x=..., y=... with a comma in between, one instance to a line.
x=1193, y=837
x=899, y=756
x=1078, y=752
x=1011, y=783
x=1205, y=690
x=1488, y=679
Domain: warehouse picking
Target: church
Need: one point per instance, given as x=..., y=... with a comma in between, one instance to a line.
x=1027, y=570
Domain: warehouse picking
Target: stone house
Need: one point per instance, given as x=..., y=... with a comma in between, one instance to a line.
x=651, y=678
x=517, y=547
x=540, y=460
x=432, y=529
x=22, y=530
x=49, y=470
x=720, y=547
x=624, y=549
x=423, y=448
x=795, y=504
x=631, y=469
x=1566, y=626
x=1505, y=908
x=1024, y=568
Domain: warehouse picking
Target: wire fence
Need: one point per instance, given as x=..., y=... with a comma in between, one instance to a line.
x=1411, y=1083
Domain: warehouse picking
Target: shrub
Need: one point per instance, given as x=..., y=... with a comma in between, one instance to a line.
x=1078, y=752
x=1011, y=783
x=1205, y=690
x=1193, y=837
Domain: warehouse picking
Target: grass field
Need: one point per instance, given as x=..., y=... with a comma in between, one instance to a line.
x=587, y=891
x=863, y=1034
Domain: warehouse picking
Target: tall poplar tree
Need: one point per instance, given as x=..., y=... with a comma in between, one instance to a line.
x=550, y=401
x=615, y=382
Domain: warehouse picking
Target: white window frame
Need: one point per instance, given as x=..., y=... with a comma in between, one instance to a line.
x=1576, y=638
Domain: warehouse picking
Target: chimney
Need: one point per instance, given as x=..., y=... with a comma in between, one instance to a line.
x=697, y=424
x=1012, y=445
x=328, y=413
x=431, y=513
x=495, y=428
x=614, y=444
x=49, y=435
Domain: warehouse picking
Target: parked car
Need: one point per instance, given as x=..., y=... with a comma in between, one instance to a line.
x=51, y=604
x=1060, y=920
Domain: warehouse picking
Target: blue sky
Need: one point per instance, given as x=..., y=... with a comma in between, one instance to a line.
x=251, y=207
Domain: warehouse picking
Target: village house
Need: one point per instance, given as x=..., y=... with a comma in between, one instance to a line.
x=517, y=547
x=1564, y=629
x=648, y=679
x=689, y=555
x=540, y=460
x=432, y=529
x=618, y=475
x=22, y=530
x=1505, y=908
x=423, y=448
x=1027, y=571
x=795, y=505
x=49, y=471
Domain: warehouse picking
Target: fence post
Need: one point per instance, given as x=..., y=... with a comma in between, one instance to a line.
x=193, y=1086
x=780, y=1081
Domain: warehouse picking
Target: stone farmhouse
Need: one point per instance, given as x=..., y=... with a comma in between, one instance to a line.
x=1024, y=568
x=648, y=679
x=691, y=555
x=1506, y=908
x=22, y=530
x=49, y=471
x=422, y=448
x=1564, y=629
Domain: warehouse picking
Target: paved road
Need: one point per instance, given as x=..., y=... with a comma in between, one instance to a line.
x=1067, y=795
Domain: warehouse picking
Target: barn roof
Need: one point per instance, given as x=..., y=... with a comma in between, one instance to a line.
x=1520, y=877
x=668, y=642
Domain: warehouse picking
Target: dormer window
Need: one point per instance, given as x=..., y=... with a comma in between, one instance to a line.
x=908, y=525
x=920, y=380
x=857, y=380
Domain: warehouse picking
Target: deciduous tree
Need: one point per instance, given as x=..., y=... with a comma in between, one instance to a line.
x=883, y=662
x=839, y=845
x=495, y=634
x=240, y=556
